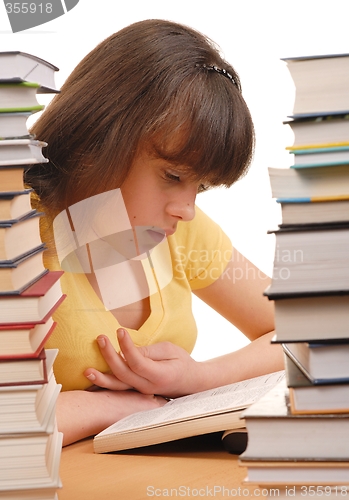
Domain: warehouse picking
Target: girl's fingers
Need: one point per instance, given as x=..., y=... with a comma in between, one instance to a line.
x=105, y=380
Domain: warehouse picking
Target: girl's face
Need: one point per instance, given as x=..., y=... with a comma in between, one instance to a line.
x=157, y=193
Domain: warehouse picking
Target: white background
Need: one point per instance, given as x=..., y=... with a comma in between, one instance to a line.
x=253, y=36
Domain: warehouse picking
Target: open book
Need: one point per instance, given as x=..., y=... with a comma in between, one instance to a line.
x=205, y=412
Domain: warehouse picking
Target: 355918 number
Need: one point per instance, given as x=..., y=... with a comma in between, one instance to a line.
x=325, y=491
x=28, y=8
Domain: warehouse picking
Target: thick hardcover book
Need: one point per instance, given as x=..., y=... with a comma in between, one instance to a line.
x=311, y=259
x=310, y=131
x=17, y=66
x=320, y=363
x=310, y=183
x=322, y=83
x=308, y=212
x=298, y=473
x=11, y=180
x=306, y=397
x=19, y=237
x=21, y=273
x=19, y=97
x=276, y=434
x=313, y=317
x=25, y=341
x=35, y=459
x=30, y=408
x=21, y=152
x=320, y=157
x=14, y=125
x=24, y=371
x=35, y=303
x=15, y=206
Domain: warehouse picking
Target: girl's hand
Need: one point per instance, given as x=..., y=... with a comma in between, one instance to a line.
x=163, y=368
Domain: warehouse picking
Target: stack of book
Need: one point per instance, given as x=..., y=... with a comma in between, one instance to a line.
x=297, y=434
x=30, y=444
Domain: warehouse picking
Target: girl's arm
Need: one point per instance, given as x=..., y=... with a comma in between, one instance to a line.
x=81, y=414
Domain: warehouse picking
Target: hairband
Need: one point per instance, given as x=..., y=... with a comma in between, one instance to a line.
x=221, y=71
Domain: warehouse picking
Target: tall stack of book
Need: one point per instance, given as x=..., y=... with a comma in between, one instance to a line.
x=30, y=444
x=298, y=433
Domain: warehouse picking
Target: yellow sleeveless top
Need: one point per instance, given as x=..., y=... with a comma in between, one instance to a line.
x=199, y=252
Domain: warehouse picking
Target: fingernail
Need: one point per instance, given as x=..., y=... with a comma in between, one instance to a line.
x=121, y=333
x=91, y=377
x=101, y=341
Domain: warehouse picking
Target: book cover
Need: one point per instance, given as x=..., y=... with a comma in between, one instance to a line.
x=305, y=397
x=25, y=341
x=321, y=83
x=19, y=97
x=20, y=273
x=19, y=238
x=11, y=180
x=310, y=183
x=21, y=152
x=24, y=371
x=331, y=373
x=17, y=66
x=275, y=433
x=14, y=125
x=35, y=302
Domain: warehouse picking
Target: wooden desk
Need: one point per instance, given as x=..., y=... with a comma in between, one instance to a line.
x=186, y=466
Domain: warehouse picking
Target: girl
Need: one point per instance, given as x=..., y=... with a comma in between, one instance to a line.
x=150, y=118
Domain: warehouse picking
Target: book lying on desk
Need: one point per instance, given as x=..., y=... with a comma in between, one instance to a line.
x=205, y=412
x=310, y=318
x=19, y=236
x=313, y=183
x=321, y=81
x=35, y=303
x=14, y=206
x=312, y=212
x=276, y=434
x=311, y=259
x=306, y=397
x=311, y=131
x=17, y=66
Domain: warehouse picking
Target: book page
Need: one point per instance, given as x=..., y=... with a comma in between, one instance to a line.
x=223, y=399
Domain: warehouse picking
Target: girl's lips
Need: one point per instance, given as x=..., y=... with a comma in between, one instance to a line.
x=157, y=235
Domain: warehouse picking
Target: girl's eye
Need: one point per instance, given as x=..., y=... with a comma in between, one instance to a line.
x=172, y=177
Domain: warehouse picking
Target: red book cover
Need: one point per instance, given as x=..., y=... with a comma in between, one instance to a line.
x=27, y=354
x=35, y=304
x=19, y=371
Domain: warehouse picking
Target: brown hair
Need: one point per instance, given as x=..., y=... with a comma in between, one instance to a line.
x=139, y=87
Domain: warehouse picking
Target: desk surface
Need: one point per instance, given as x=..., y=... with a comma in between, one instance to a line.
x=178, y=469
